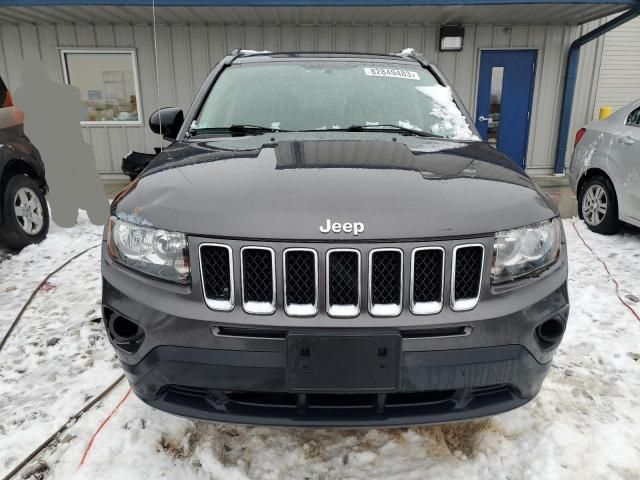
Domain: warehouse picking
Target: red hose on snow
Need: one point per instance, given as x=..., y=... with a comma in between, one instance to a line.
x=635, y=314
x=102, y=424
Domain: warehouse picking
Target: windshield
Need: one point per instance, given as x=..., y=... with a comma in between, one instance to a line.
x=332, y=95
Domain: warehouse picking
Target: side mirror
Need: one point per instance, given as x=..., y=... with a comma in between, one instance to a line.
x=167, y=122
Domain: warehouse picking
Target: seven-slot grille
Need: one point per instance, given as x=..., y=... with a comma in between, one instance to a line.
x=428, y=271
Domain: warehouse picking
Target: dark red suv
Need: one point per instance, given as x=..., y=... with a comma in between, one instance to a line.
x=24, y=216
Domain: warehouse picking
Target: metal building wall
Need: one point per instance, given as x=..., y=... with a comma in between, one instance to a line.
x=186, y=53
x=619, y=82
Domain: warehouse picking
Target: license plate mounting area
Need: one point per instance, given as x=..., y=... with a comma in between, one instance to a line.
x=343, y=363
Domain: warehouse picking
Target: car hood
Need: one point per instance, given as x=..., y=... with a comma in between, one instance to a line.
x=283, y=187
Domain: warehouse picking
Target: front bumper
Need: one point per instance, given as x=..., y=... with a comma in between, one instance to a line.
x=452, y=366
x=250, y=387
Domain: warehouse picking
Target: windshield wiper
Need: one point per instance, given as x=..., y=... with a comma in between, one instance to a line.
x=380, y=128
x=257, y=130
x=235, y=129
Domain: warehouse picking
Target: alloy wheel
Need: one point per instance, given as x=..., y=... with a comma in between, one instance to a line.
x=594, y=205
x=29, y=211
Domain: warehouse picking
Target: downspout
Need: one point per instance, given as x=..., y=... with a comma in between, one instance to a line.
x=570, y=81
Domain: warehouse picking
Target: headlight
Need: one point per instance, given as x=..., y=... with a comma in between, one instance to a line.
x=150, y=250
x=523, y=251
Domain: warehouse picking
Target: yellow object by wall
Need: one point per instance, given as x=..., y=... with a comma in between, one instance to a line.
x=605, y=112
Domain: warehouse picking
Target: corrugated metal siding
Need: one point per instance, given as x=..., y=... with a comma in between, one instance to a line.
x=186, y=53
x=505, y=14
x=619, y=82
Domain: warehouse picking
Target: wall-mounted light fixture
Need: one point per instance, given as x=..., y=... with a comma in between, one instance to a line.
x=451, y=37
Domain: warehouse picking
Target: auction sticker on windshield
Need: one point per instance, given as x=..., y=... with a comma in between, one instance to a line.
x=391, y=72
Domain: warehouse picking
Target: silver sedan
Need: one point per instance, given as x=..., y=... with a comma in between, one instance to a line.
x=605, y=171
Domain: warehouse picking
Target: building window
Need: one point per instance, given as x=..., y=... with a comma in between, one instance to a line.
x=108, y=83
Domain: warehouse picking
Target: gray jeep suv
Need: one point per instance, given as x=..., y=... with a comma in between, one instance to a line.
x=327, y=242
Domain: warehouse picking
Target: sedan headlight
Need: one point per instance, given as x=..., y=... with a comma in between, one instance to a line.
x=526, y=250
x=153, y=251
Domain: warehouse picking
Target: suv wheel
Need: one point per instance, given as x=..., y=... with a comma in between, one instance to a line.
x=598, y=205
x=25, y=216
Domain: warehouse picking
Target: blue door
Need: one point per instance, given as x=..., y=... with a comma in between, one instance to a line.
x=505, y=90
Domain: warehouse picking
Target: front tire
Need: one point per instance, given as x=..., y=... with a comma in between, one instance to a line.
x=25, y=215
x=598, y=205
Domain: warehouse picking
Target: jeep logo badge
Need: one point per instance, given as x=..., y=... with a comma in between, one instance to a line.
x=348, y=227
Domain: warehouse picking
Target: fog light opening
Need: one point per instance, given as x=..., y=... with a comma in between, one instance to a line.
x=125, y=334
x=549, y=333
x=124, y=329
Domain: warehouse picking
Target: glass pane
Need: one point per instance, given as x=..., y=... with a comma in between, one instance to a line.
x=107, y=85
x=495, y=104
x=634, y=118
x=317, y=95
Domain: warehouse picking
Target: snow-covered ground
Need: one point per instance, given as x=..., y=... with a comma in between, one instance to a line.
x=57, y=357
x=584, y=424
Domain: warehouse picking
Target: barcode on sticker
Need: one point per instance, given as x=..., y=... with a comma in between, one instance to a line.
x=391, y=72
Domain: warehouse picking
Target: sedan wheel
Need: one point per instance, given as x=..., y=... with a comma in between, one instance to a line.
x=594, y=205
x=29, y=211
x=598, y=205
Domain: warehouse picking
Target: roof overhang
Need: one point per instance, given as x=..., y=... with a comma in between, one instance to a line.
x=312, y=12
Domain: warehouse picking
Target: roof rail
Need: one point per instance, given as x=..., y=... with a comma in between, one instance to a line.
x=406, y=53
x=241, y=52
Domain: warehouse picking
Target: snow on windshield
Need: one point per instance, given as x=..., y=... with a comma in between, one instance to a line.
x=408, y=124
x=407, y=52
x=451, y=123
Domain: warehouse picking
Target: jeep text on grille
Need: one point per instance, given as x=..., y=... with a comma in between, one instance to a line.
x=347, y=227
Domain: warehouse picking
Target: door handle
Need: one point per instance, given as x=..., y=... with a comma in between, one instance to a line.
x=482, y=118
x=627, y=140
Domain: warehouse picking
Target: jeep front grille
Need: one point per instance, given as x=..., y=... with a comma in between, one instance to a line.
x=216, y=268
x=258, y=280
x=385, y=282
x=343, y=283
x=300, y=282
x=466, y=276
x=305, y=281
